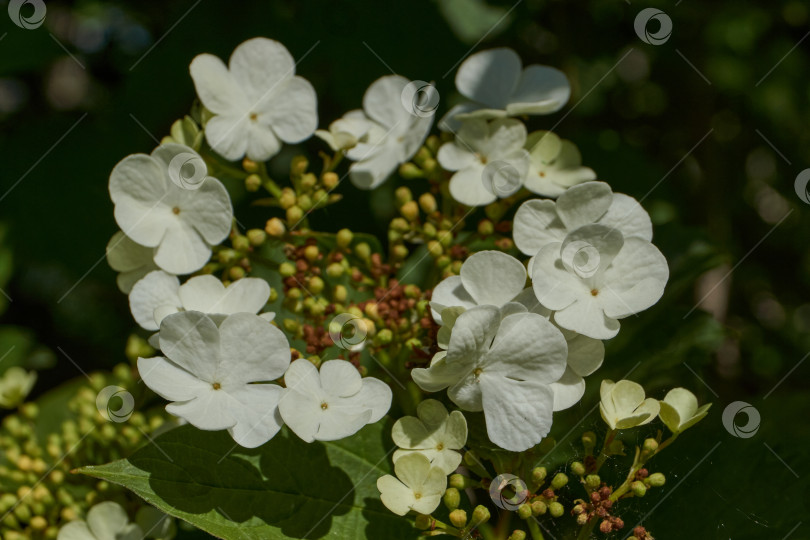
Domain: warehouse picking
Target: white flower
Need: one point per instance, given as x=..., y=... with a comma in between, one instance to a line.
x=131, y=260
x=332, y=404
x=208, y=371
x=489, y=159
x=680, y=411
x=15, y=385
x=257, y=100
x=159, y=295
x=156, y=212
x=504, y=368
x=105, y=521
x=395, y=136
x=555, y=165
x=418, y=486
x=623, y=405
x=595, y=276
x=497, y=85
x=539, y=222
x=435, y=434
x=344, y=133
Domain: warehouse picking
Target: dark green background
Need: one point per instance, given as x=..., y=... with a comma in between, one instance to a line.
x=638, y=112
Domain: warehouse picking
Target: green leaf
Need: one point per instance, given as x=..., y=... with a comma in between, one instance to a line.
x=474, y=20
x=284, y=489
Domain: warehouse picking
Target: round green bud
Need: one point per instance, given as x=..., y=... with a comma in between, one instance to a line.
x=316, y=285
x=249, y=165
x=384, y=337
x=589, y=440
x=427, y=202
x=308, y=181
x=312, y=253
x=363, y=250
x=330, y=180
x=485, y=227
x=286, y=269
x=400, y=225
x=236, y=272
x=340, y=294
x=559, y=480
x=650, y=446
x=556, y=509
x=29, y=410
x=452, y=498
x=525, y=511
x=298, y=165
x=458, y=518
x=410, y=211
x=656, y=479
x=435, y=248
x=275, y=227
x=403, y=195
x=593, y=481
x=253, y=182
x=409, y=171
x=294, y=215
x=638, y=488
x=517, y=534
x=423, y=522
x=256, y=237
x=616, y=447
x=578, y=468
x=539, y=475
x=38, y=523
x=334, y=270
x=429, y=230
x=399, y=252
x=305, y=203
x=539, y=508
x=480, y=515
x=344, y=238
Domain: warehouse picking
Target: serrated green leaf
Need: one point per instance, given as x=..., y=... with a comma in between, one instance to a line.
x=285, y=489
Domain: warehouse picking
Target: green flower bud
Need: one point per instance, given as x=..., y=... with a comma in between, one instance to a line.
x=38, y=523
x=286, y=269
x=236, y=272
x=330, y=180
x=256, y=237
x=403, y=195
x=656, y=479
x=559, y=480
x=480, y=515
x=410, y=211
x=517, y=534
x=227, y=256
x=290, y=325
x=311, y=253
x=400, y=225
x=539, y=508
x=253, y=182
x=409, y=171
x=452, y=498
x=294, y=215
x=340, y=294
x=485, y=227
x=589, y=441
x=556, y=509
x=23, y=513
x=429, y=230
x=275, y=227
x=578, y=468
x=429, y=165
x=344, y=238
x=638, y=488
x=457, y=481
x=298, y=165
x=650, y=446
x=363, y=250
x=458, y=518
x=316, y=285
x=249, y=165
x=435, y=248
x=616, y=447
x=304, y=202
x=399, y=252
x=384, y=337
x=593, y=481
x=525, y=511
x=308, y=181
x=539, y=475
x=29, y=410
x=423, y=522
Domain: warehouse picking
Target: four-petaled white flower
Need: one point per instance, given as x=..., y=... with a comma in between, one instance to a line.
x=105, y=521
x=623, y=405
x=257, y=100
x=395, y=136
x=159, y=295
x=154, y=211
x=435, y=434
x=503, y=367
x=419, y=486
x=332, y=404
x=539, y=222
x=208, y=373
x=497, y=85
x=555, y=165
x=489, y=160
x=344, y=133
x=680, y=411
x=131, y=260
x=595, y=277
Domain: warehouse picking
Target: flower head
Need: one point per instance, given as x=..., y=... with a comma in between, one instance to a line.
x=131, y=260
x=344, y=133
x=435, y=434
x=209, y=371
x=159, y=295
x=680, y=411
x=257, y=100
x=489, y=160
x=555, y=165
x=497, y=85
x=332, y=404
x=105, y=521
x=595, y=277
x=503, y=366
x=623, y=405
x=155, y=211
x=395, y=135
x=418, y=486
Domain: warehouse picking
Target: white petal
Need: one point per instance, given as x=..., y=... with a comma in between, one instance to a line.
x=155, y=290
x=517, y=413
x=453, y=156
x=635, y=280
x=536, y=224
x=215, y=86
x=202, y=293
x=260, y=65
x=383, y=101
x=506, y=136
x=138, y=188
x=375, y=396
x=589, y=250
x=253, y=350
x=439, y=375
x=210, y=410
x=257, y=419
x=208, y=209
x=77, y=530
x=515, y=353
x=554, y=286
x=245, y=295
x=373, y=171
x=584, y=204
x=262, y=142
x=303, y=377
x=568, y=390
x=467, y=186
x=627, y=215
x=292, y=113
x=585, y=354
x=228, y=135
x=493, y=277
x=450, y=121
x=586, y=316
x=191, y=340
x=337, y=423
x=395, y=495
x=340, y=378
x=472, y=333
x=490, y=77
x=170, y=381
x=541, y=90
x=125, y=255
x=529, y=300
x=106, y=520
x=450, y=292
x=182, y=250
x=300, y=412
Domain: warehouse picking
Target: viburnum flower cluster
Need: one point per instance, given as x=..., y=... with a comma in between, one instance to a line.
x=254, y=330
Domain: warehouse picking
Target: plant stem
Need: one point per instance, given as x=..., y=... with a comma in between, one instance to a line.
x=534, y=529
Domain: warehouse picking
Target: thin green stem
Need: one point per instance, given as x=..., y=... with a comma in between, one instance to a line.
x=534, y=529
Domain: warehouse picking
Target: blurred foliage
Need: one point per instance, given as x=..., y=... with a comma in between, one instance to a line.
x=708, y=130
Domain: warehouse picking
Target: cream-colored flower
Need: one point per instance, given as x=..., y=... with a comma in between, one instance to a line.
x=435, y=434
x=623, y=405
x=15, y=385
x=680, y=411
x=418, y=486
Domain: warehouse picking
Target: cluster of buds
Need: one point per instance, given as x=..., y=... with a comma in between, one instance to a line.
x=424, y=164
x=640, y=533
x=598, y=507
x=308, y=192
x=39, y=493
